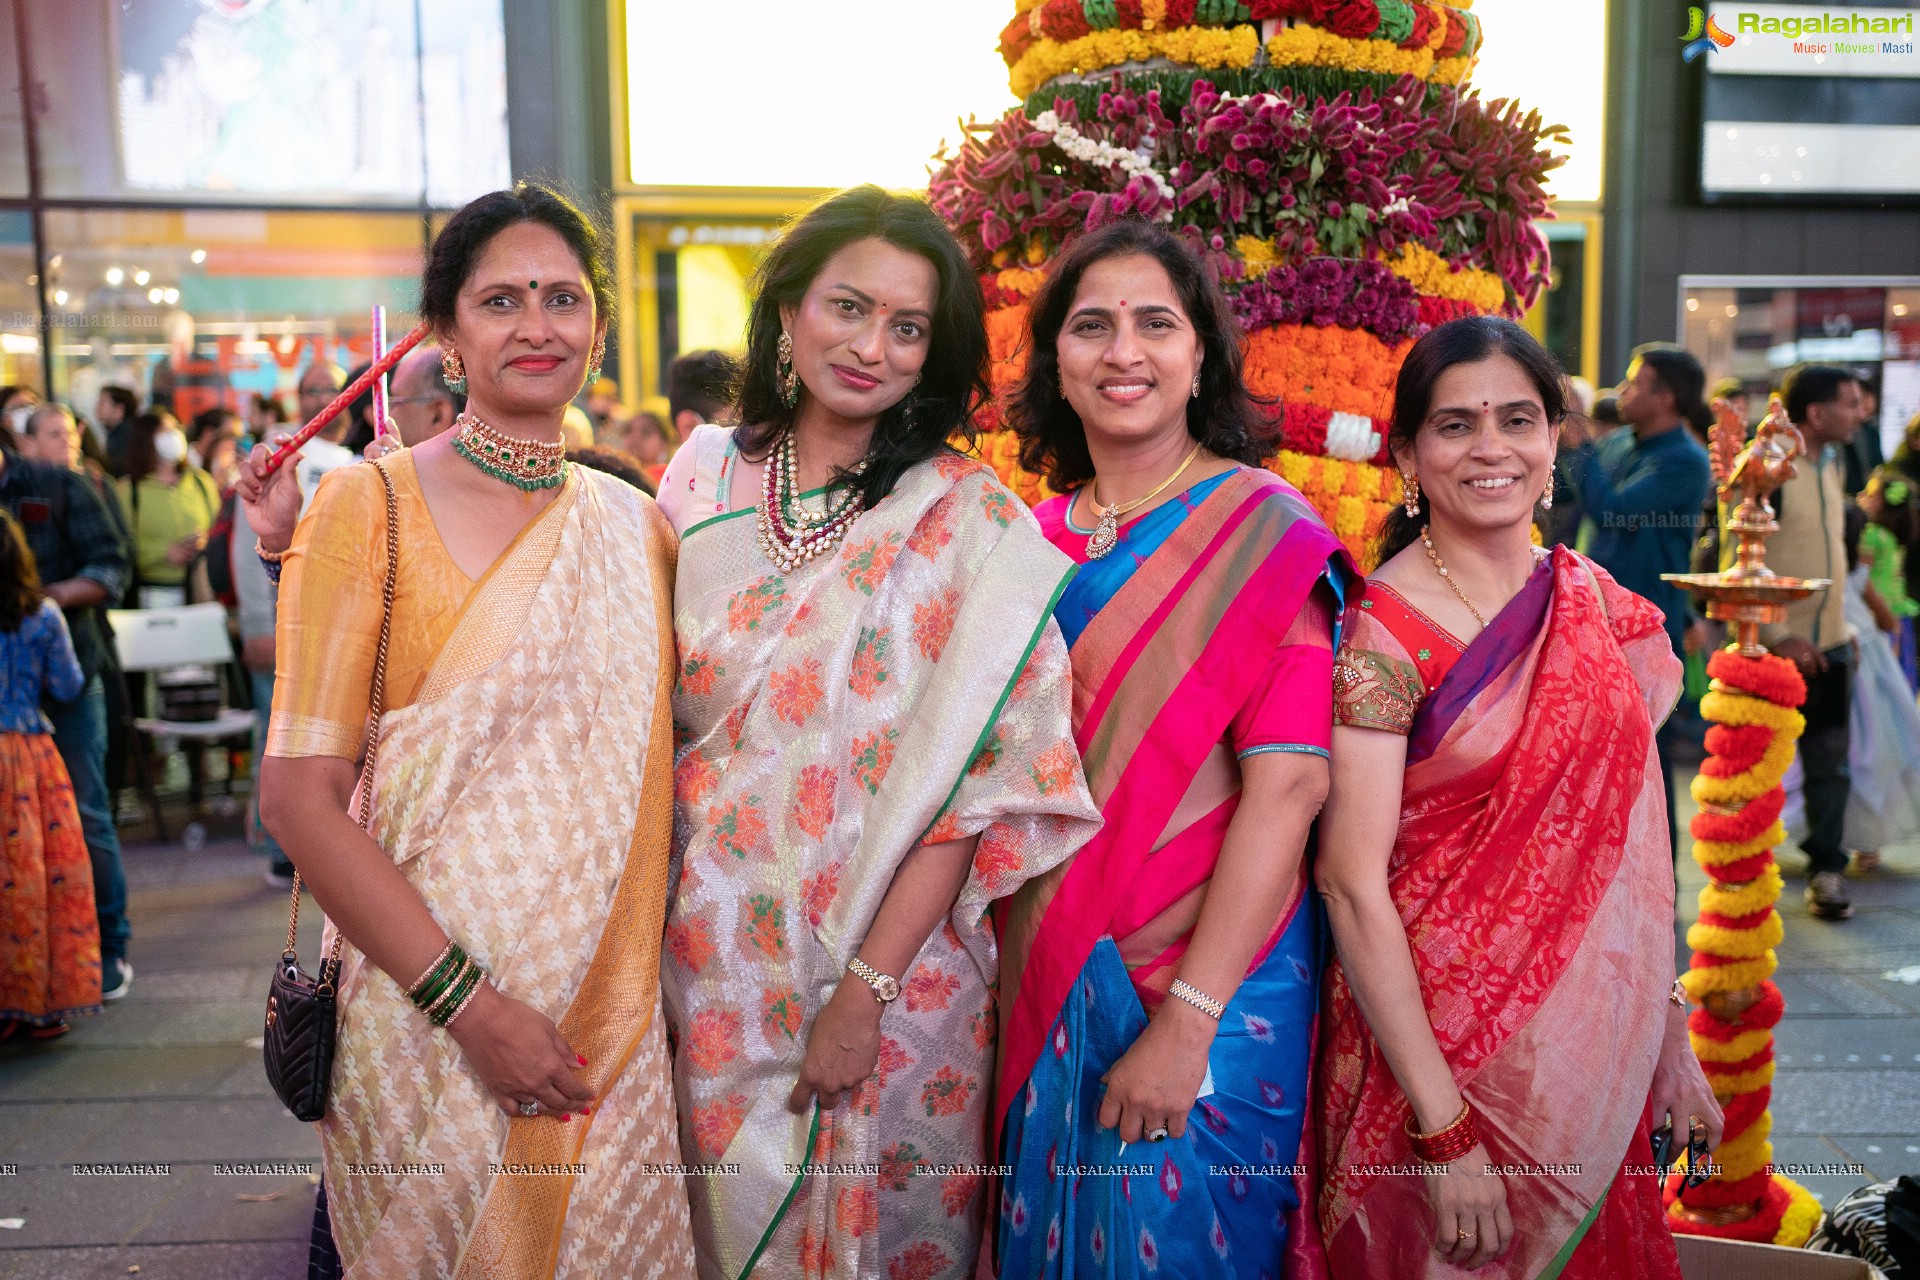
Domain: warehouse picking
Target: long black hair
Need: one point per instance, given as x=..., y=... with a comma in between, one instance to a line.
x=457, y=249
x=1223, y=417
x=20, y=593
x=953, y=382
x=1468, y=340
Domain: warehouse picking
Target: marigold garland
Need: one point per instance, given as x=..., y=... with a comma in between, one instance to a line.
x=1433, y=275
x=1345, y=370
x=1205, y=47
x=1752, y=704
x=1313, y=46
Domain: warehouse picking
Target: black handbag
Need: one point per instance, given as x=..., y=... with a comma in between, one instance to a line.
x=297, y=1045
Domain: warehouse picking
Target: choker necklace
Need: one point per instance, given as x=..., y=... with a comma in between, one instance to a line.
x=1106, y=533
x=527, y=465
x=1438, y=564
x=790, y=535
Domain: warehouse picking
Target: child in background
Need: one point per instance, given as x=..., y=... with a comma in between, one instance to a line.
x=49, y=934
x=1893, y=525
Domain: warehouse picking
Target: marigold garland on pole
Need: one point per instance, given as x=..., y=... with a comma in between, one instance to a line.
x=1752, y=706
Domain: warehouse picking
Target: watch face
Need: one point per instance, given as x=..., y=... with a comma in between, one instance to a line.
x=889, y=988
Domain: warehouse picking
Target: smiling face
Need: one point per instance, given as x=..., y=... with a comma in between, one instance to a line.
x=1128, y=352
x=524, y=324
x=1485, y=449
x=862, y=332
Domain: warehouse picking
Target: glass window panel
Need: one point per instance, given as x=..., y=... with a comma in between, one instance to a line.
x=13, y=135
x=19, y=318
x=272, y=102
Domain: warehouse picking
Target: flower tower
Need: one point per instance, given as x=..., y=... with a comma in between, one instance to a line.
x=1326, y=155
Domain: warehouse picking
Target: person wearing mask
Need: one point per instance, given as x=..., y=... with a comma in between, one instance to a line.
x=1644, y=490
x=1823, y=401
x=16, y=404
x=115, y=411
x=169, y=505
x=420, y=404
x=83, y=565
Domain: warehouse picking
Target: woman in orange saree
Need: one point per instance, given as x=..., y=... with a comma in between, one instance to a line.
x=510, y=1115
x=1500, y=1029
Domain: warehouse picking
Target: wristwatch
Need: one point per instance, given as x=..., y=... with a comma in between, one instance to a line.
x=886, y=990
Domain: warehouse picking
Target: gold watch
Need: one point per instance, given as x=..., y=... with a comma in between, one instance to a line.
x=886, y=990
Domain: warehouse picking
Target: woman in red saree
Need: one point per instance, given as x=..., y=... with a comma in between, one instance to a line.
x=1500, y=1033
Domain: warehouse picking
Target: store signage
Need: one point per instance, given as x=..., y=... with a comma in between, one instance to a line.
x=1793, y=40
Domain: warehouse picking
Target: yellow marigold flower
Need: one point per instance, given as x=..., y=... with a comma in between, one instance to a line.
x=1737, y=944
x=1153, y=14
x=1738, y=1049
x=1801, y=1218
x=1257, y=254
x=1718, y=853
x=1728, y=977
x=1743, y=900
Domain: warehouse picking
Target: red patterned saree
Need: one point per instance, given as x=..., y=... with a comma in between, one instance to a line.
x=1531, y=871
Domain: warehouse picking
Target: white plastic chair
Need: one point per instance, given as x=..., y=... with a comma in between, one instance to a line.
x=162, y=639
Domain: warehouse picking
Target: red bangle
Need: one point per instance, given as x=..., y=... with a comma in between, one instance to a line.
x=1444, y=1146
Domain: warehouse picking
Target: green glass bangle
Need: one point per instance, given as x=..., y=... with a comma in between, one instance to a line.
x=427, y=974
x=438, y=982
x=462, y=988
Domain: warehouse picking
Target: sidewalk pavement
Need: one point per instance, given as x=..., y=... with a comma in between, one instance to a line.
x=171, y=1077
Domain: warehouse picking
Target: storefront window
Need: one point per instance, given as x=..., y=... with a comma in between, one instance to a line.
x=691, y=289
x=1756, y=330
x=13, y=134
x=209, y=307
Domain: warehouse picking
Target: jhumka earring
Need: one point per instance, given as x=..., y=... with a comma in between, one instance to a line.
x=784, y=372
x=453, y=370
x=1546, y=499
x=595, y=360
x=1410, y=494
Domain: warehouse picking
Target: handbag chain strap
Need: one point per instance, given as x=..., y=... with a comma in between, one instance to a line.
x=377, y=701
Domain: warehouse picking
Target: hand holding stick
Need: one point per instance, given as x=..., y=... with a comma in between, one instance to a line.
x=378, y=369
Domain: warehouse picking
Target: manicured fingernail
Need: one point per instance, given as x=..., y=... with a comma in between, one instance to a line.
x=566, y=1117
x=582, y=1057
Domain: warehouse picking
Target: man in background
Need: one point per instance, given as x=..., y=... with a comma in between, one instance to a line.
x=1643, y=489
x=419, y=402
x=115, y=411
x=1824, y=403
x=699, y=388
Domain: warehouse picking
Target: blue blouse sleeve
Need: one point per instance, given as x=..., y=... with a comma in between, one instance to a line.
x=63, y=679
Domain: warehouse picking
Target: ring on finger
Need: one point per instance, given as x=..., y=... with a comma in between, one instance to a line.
x=529, y=1108
x=1157, y=1134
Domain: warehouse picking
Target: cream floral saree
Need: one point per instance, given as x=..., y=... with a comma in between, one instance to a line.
x=911, y=689
x=526, y=794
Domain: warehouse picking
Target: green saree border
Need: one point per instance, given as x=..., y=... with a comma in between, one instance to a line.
x=1033, y=642
x=780, y=1214
x=1560, y=1260
x=698, y=525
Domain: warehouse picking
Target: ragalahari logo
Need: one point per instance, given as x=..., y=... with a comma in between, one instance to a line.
x=1704, y=35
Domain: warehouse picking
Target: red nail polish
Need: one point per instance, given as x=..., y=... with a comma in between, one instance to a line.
x=583, y=1061
x=566, y=1117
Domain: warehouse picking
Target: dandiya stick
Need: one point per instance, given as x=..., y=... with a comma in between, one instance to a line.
x=375, y=371
x=380, y=387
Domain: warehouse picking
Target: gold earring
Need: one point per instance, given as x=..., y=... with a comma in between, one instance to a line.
x=1196, y=386
x=1546, y=499
x=453, y=370
x=784, y=372
x=596, y=359
x=1410, y=494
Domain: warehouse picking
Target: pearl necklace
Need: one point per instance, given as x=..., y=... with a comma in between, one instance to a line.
x=527, y=465
x=1438, y=564
x=790, y=535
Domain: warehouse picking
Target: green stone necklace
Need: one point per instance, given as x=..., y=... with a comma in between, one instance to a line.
x=527, y=465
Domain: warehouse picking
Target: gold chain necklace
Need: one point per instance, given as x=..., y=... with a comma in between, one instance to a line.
x=1435, y=557
x=1106, y=534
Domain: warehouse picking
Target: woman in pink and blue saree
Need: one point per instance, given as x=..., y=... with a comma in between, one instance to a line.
x=873, y=710
x=1162, y=986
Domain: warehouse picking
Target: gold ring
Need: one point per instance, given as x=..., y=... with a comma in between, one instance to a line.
x=1463, y=1235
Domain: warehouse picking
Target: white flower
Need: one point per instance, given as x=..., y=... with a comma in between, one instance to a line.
x=1104, y=155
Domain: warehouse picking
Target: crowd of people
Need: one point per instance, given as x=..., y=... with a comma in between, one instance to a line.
x=760, y=826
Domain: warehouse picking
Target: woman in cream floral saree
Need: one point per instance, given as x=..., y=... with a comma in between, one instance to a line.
x=874, y=709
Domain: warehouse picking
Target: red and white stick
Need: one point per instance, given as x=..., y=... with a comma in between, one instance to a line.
x=375, y=371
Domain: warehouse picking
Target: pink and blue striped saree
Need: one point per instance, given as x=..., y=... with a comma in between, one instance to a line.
x=1203, y=638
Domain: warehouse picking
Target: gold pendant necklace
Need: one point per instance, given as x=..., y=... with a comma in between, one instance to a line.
x=1106, y=533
